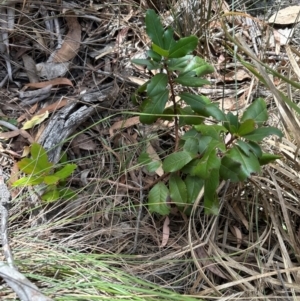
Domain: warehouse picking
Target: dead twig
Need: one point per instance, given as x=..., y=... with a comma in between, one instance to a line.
x=4, y=207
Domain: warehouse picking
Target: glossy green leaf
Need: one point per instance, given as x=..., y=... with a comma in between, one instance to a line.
x=231, y=170
x=50, y=180
x=157, y=199
x=246, y=127
x=244, y=147
x=189, y=168
x=232, y=123
x=183, y=47
x=213, y=130
x=154, y=28
x=191, y=146
x=153, y=55
x=28, y=181
x=178, y=192
x=249, y=164
x=153, y=107
x=66, y=171
x=179, y=64
x=193, y=186
x=197, y=66
x=261, y=133
x=248, y=147
x=268, y=158
x=158, y=97
x=197, y=102
x=160, y=50
x=50, y=196
x=211, y=202
x=202, y=105
x=206, y=164
x=176, y=161
x=214, y=111
x=204, y=143
x=189, y=81
x=256, y=111
x=151, y=65
x=255, y=148
x=188, y=117
x=157, y=84
x=193, y=100
x=168, y=39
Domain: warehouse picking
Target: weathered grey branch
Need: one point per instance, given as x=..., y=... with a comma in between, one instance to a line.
x=4, y=207
x=25, y=290
x=65, y=121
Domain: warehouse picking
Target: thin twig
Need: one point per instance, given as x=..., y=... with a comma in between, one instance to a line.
x=175, y=109
x=4, y=207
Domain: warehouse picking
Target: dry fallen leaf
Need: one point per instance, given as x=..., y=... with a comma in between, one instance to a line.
x=238, y=234
x=154, y=156
x=53, y=82
x=288, y=15
x=123, y=124
x=166, y=232
x=71, y=42
x=10, y=134
x=83, y=141
x=35, y=120
x=30, y=68
x=239, y=74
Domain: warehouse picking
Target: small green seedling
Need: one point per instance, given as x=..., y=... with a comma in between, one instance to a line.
x=217, y=146
x=41, y=171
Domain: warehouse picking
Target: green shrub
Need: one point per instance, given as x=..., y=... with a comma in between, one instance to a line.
x=41, y=171
x=216, y=147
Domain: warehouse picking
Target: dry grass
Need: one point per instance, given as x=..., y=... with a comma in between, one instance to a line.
x=250, y=251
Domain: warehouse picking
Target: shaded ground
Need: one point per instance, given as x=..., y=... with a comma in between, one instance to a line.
x=249, y=251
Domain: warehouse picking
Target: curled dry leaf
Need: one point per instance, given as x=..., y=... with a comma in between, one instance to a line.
x=166, y=232
x=72, y=40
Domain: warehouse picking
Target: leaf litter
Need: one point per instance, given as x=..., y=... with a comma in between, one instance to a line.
x=251, y=250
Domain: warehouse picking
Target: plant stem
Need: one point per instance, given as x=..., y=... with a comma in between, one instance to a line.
x=174, y=106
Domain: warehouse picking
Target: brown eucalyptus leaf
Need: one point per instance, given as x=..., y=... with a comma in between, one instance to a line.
x=71, y=44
